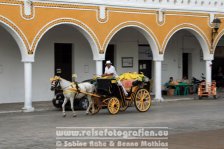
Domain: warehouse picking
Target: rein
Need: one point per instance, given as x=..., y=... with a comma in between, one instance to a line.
x=77, y=90
x=71, y=90
x=57, y=86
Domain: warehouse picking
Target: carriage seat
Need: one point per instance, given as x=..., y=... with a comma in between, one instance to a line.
x=127, y=84
x=104, y=86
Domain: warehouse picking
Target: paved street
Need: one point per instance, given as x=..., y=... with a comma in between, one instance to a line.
x=193, y=124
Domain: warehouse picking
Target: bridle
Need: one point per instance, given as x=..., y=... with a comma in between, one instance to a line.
x=55, y=85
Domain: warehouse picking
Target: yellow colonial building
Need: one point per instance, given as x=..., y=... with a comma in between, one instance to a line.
x=162, y=38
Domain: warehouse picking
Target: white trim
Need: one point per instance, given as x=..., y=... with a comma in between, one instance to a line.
x=21, y=9
x=161, y=16
x=204, y=5
x=27, y=7
x=81, y=3
x=135, y=12
x=17, y=37
x=195, y=16
x=133, y=5
x=211, y=17
x=148, y=35
x=209, y=57
x=106, y=16
x=163, y=21
x=187, y=15
x=100, y=57
x=216, y=41
x=203, y=42
x=117, y=6
x=86, y=33
x=99, y=14
x=28, y=58
x=31, y=9
x=102, y=12
x=10, y=4
x=64, y=8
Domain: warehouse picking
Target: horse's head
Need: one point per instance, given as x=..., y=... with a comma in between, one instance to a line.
x=55, y=83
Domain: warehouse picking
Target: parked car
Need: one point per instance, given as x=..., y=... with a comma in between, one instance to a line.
x=79, y=104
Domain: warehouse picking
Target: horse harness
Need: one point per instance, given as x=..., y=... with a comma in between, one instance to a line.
x=72, y=89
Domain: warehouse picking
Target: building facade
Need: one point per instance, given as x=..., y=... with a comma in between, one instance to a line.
x=162, y=38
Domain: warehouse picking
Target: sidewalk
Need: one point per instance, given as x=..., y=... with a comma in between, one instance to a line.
x=17, y=107
x=47, y=105
x=179, y=97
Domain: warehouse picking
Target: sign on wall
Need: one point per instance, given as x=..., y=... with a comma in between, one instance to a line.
x=127, y=62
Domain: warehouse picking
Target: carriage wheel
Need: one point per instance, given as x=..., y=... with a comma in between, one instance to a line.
x=142, y=100
x=125, y=106
x=96, y=107
x=113, y=105
x=127, y=103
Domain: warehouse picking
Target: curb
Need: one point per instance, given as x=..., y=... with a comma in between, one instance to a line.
x=21, y=111
x=50, y=109
x=16, y=111
x=182, y=99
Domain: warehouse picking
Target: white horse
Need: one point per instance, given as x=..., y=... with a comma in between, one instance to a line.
x=72, y=91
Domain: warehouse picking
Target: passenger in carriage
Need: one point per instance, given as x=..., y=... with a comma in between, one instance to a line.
x=110, y=71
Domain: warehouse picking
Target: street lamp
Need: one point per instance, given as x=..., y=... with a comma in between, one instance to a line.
x=215, y=27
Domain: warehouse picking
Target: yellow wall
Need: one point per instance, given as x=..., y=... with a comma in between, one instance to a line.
x=45, y=15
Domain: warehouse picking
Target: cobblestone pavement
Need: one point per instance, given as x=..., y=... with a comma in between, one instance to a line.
x=193, y=124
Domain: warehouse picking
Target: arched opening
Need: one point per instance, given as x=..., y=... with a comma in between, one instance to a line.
x=11, y=67
x=217, y=64
x=131, y=52
x=184, y=57
x=132, y=49
x=63, y=50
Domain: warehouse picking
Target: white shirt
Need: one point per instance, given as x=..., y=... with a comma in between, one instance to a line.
x=111, y=70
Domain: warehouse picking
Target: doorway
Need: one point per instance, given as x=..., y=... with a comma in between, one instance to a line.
x=109, y=56
x=145, y=66
x=63, y=60
x=185, y=62
x=145, y=60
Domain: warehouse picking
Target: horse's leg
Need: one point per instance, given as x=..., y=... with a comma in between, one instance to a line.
x=90, y=104
x=72, y=106
x=63, y=106
x=93, y=103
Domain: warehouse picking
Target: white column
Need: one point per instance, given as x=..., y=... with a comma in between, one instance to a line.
x=99, y=67
x=28, y=87
x=208, y=71
x=158, y=76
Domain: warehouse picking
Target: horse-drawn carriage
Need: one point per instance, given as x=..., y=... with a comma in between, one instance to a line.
x=109, y=93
